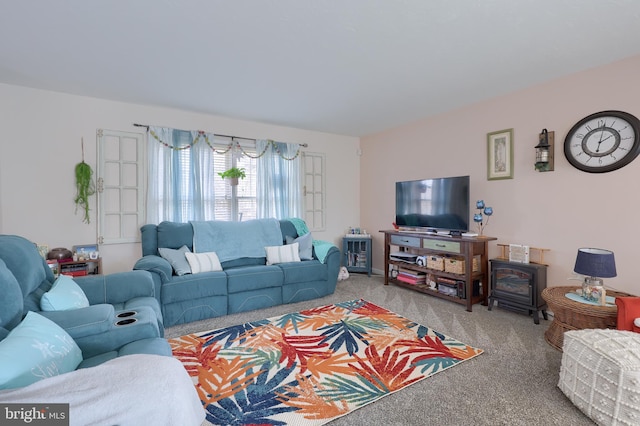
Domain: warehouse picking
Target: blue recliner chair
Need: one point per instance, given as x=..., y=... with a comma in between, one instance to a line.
x=123, y=316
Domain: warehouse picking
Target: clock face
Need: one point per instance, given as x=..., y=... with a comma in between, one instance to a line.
x=603, y=142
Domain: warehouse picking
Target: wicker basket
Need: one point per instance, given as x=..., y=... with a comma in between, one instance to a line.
x=456, y=266
x=435, y=262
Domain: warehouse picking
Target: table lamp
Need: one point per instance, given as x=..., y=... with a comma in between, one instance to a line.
x=594, y=264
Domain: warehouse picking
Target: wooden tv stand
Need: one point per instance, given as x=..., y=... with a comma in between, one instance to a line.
x=455, y=250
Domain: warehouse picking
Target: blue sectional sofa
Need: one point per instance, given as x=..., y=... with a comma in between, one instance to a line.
x=118, y=315
x=246, y=281
x=94, y=343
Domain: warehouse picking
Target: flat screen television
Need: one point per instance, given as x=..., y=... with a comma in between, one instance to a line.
x=440, y=204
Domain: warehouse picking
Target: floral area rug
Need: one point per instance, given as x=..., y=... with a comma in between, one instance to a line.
x=312, y=366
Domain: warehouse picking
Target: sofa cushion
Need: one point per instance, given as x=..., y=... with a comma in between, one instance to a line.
x=175, y=235
x=64, y=295
x=254, y=278
x=194, y=286
x=177, y=258
x=301, y=272
x=203, y=262
x=243, y=261
x=35, y=349
x=282, y=254
x=305, y=245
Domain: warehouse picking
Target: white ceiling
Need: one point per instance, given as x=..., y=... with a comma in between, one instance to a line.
x=350, y=67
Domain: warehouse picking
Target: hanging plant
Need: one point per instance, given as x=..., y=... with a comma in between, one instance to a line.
x=233, y=174
x=84, y=186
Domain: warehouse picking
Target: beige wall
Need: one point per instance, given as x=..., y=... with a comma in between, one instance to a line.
x=40, y=146
x=561, y=210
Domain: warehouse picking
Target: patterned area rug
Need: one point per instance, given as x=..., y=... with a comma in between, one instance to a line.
x=312, y=366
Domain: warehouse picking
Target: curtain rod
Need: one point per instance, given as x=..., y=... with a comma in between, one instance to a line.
x=304, y=145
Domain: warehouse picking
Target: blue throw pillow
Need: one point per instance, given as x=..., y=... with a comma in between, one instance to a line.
x=177, y=259
x=305, y=245
x=65, y=294
x=36, y=349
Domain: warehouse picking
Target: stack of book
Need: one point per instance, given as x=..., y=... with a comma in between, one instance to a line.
x=411, y=277
x=74, y=269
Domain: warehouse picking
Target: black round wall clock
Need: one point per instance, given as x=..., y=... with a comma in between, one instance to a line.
x=603, y=142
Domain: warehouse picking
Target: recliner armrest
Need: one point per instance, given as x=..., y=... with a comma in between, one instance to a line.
x=94, y=319
x=118, y=287
x=156, y=264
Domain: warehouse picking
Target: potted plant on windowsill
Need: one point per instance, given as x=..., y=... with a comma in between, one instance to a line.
x=233, y=174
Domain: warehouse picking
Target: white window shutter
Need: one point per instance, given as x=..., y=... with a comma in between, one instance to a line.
x=314, y=191
x=120, y=186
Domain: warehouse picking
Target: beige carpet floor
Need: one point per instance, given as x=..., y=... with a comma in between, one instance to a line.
x=514, y=382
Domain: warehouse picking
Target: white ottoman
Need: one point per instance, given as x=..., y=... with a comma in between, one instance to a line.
x=600, y=374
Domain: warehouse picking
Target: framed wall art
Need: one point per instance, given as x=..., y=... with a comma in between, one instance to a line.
x=500, y=155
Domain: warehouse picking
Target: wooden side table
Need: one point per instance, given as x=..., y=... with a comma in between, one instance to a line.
x=571, y=315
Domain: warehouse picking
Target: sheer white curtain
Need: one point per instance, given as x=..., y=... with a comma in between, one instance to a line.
x=180, y=176
x=279, y=189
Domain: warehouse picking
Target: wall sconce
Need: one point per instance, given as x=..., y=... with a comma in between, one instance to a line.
x=544, y=151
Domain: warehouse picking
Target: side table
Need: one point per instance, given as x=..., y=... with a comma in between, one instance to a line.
x=571, y=315
x=356, y=251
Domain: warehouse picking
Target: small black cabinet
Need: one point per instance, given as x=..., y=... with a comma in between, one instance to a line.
x=518, y=287
x=356, y=254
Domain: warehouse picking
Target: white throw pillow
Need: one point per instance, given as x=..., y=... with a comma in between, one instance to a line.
x=203, y=262
x=282, y=254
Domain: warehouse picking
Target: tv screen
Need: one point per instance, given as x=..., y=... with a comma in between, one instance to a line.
x=434, y=204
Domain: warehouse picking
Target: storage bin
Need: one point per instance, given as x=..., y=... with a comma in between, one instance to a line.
x=435, y=262
x=456, y=266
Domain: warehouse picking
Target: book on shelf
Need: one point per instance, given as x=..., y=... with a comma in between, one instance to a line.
x=412, y=273
x=408, y=280
x=412, y=279
x=445, y=280
x=419, y=279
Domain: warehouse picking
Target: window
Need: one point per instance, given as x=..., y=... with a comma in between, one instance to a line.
x=184, y=182
x=239, y=202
